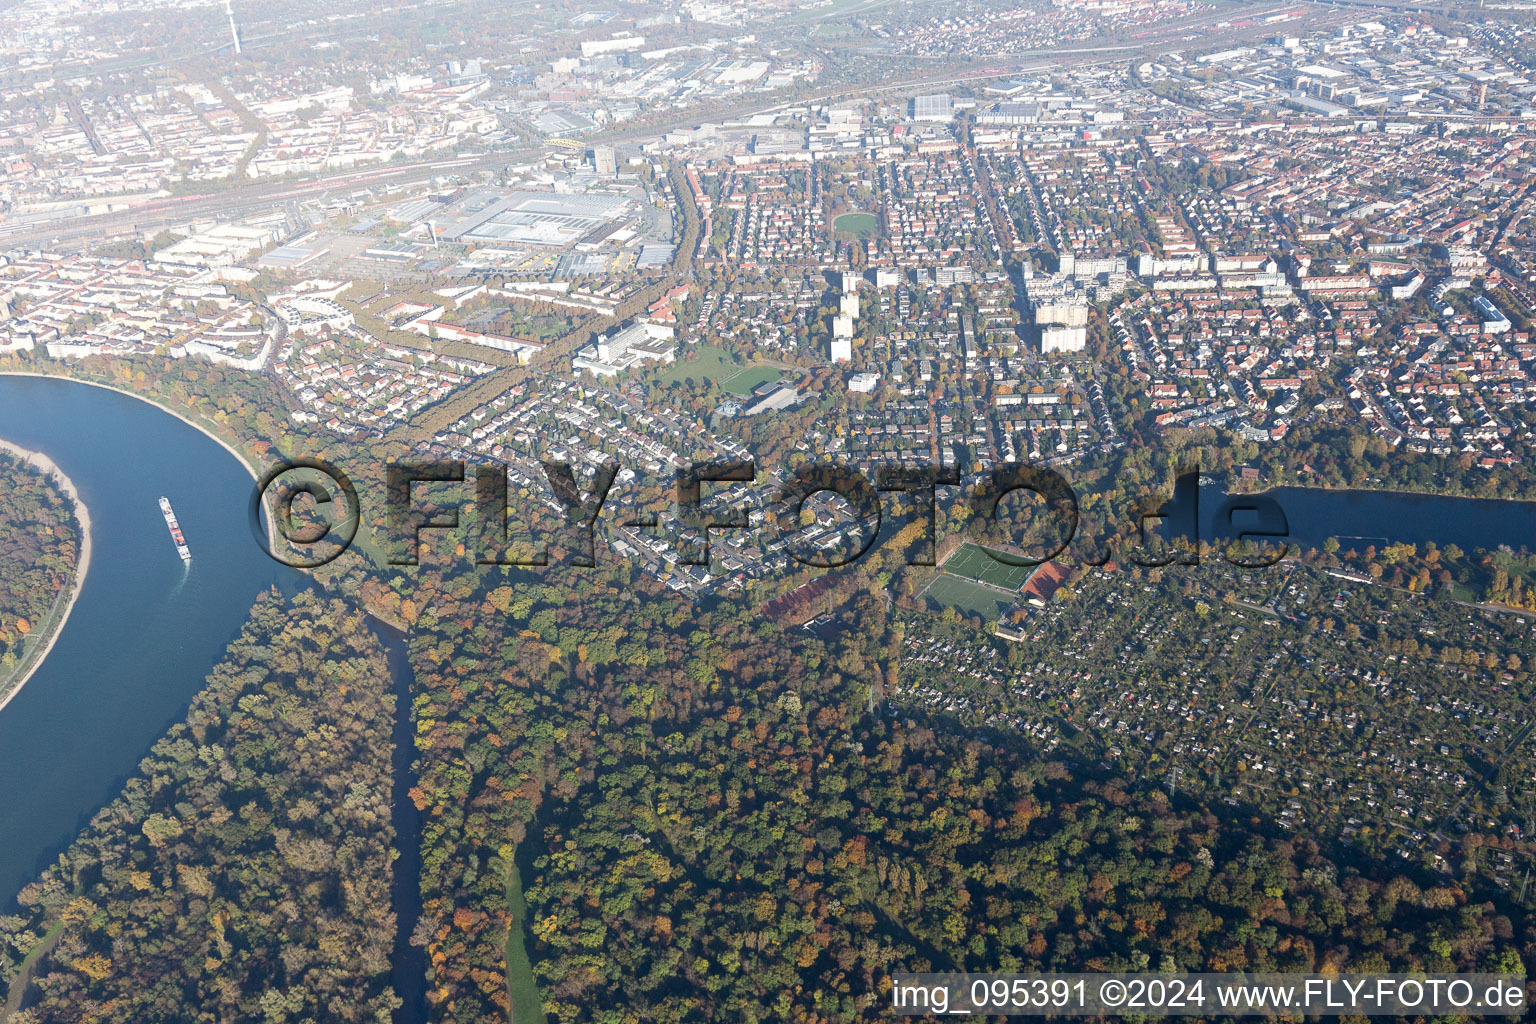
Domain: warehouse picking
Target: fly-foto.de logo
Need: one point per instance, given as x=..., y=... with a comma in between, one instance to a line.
x=307, y=512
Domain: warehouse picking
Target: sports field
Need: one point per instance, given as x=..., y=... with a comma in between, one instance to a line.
x=749, y=377
x=973, y=562
x=711, y=363
x=945, y=591
x=859, y=225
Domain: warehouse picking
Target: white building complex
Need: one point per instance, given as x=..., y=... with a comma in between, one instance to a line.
x=641, y=341
x=304, y=314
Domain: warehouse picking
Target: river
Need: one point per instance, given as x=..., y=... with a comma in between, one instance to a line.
x=1309, y=516
x=1357, y=519
x=147, y=629
x=408, y=970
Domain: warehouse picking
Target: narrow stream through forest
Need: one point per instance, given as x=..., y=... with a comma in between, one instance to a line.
x=408, y=963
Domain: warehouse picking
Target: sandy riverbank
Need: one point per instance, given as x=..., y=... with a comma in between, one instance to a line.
x=82, y=514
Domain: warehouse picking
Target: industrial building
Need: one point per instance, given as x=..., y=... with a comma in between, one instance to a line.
x=938, y=107
x=518, y=217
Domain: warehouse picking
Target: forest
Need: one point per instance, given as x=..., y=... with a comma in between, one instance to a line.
x=638, y=807
x=243, y=874
x=716, y=815
x=39, y=549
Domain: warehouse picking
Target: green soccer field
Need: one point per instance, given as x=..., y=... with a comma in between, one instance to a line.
x=859, y=225
x=972, y=562
x=710, y=363
x=705, y=362
x=966, y=597
x=742, y=383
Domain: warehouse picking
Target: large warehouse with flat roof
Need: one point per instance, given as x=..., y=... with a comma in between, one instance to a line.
x=528, y=218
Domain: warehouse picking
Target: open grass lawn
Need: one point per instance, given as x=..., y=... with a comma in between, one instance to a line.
x=711, y=363
x=968, y=598
x=859, y=225
x=973, y=562
x=707, y=363
x=527, y=1006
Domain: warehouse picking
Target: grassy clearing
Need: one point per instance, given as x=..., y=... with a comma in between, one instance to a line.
x=708, y=363
x=715, y=364
x=527, y=1007
x=859, y=225
x=23, y=979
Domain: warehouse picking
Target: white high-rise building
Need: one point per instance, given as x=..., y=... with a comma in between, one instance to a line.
x=1059, y=338
x=849, y=305
x=842, y=350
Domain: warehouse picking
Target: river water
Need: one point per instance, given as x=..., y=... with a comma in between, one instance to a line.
x=1357, y=519
x=408, y=963
x=1309, y=516
x=147, y=629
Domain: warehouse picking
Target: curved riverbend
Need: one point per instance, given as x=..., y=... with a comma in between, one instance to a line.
x=145, y=628
x=82, y=567
x=210, y=435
